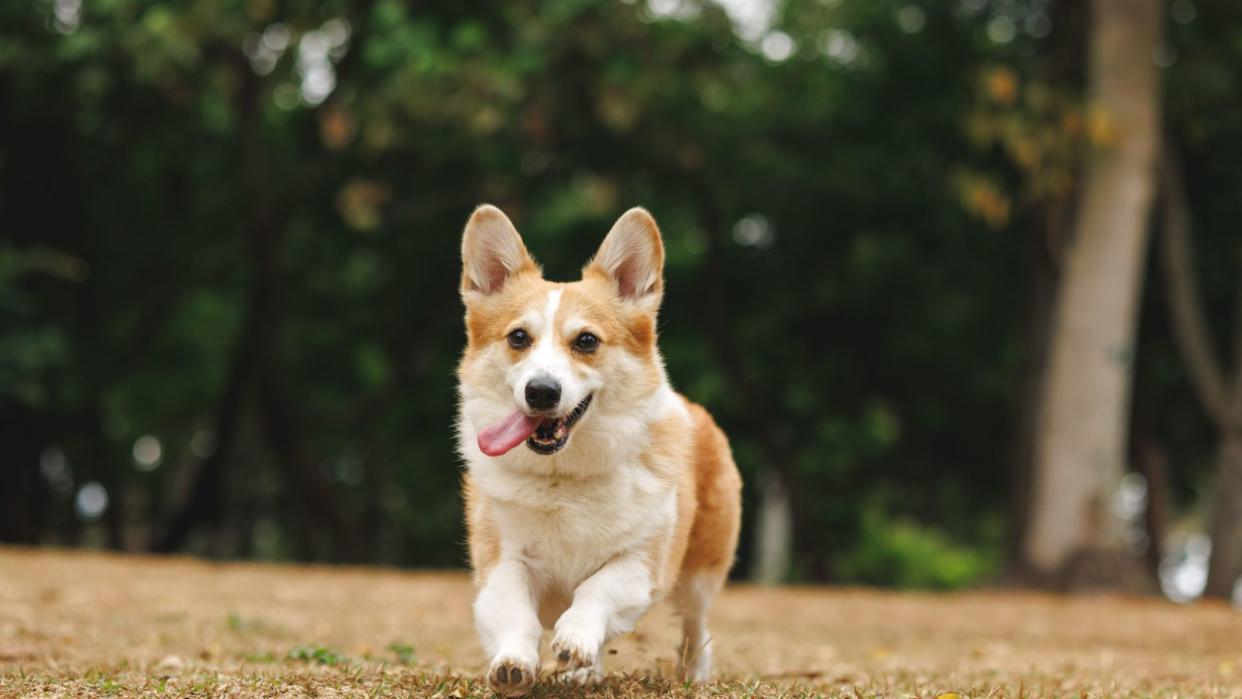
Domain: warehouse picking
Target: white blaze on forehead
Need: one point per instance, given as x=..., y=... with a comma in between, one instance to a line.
x=549, y=311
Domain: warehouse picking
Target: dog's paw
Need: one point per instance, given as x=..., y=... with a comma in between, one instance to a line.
x=510, y=677
x=696, y=672
x=695, y=663
x=574, y=653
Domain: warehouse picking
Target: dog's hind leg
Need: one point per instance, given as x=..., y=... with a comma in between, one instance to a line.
x=711, y=546
x=694, y=597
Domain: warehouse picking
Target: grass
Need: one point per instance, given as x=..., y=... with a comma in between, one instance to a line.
x=93, y=625
x=317, y=655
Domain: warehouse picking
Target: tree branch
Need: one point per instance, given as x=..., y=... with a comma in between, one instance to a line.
x=1235, y=404
x=1190, y=328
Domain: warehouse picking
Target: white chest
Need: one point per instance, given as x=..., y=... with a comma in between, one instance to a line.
x=566, y=528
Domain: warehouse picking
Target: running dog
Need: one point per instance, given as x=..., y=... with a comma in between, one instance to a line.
x=592, y=488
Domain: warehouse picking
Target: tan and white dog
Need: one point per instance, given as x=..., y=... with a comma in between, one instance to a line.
x=592, y=488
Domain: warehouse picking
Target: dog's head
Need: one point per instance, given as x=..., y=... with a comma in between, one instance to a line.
x=545, y=360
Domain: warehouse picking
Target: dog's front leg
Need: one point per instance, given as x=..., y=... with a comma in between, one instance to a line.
x=606, y=605
x=505, y=616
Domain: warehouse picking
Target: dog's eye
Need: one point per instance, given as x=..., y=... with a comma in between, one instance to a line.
x=518, y=339
x=586, y=342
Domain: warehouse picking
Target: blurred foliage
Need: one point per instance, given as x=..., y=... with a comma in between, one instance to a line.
x=906, y=554
x=262, y=201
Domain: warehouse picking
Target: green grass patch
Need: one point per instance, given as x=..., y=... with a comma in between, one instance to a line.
x=317, y=655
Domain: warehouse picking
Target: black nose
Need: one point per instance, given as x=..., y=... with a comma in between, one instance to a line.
x=543, y=393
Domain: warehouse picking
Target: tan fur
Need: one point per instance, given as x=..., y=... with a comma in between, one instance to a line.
x=593, y=297
x=718, y=511
x=488, y=319
x=666, y=458
x=484, y=540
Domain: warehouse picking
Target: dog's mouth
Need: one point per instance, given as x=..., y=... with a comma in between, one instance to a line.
x=552, y=434
x=544, y=435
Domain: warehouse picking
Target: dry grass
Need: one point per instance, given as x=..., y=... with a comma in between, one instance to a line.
x=74, y=624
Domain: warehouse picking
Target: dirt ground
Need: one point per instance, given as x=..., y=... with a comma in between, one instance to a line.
x=81, y=624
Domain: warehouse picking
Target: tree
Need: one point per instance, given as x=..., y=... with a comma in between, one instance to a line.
x=1081, y=430
x=1219, y=393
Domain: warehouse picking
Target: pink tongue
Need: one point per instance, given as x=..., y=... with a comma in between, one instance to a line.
x=499, y=438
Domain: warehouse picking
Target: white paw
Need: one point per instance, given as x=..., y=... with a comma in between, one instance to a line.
x=696, y=672
x=576, y=650
x=511, y=677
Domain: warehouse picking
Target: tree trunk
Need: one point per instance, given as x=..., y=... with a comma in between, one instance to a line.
x=24, y=503
x=1065, y=66
x=1081, y=438
x=1225, y=565
x=1219, y=395
x=1191, y=331
x=1041, y=296
x=1152, y=461
x=773, y=532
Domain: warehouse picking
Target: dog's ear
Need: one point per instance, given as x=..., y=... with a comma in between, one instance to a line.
x=491, y=252
x=632, y=257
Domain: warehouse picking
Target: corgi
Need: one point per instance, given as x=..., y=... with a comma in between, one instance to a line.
x=592, y=489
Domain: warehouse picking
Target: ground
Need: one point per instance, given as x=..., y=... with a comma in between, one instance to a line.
x=86, y=625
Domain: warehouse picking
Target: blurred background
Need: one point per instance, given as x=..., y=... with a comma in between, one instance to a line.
x=960, y=279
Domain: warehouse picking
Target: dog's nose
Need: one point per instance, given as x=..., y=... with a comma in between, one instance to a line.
x=543, y=393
